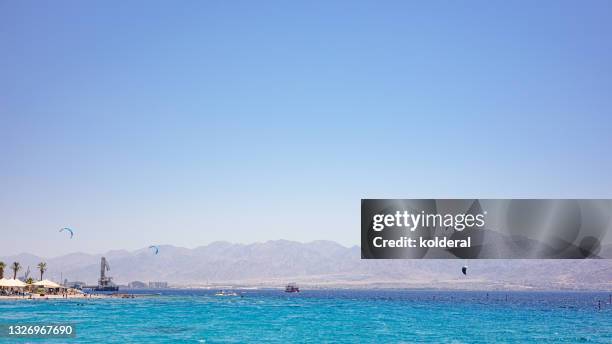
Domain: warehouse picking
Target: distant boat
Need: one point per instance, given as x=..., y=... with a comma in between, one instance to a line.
x=292, y=288
x=106, y=288
x=225, y=293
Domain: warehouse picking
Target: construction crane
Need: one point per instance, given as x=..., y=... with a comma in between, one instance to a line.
x=105, y=283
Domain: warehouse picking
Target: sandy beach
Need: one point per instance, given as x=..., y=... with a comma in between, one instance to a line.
x=69, y=296
x=48, y=297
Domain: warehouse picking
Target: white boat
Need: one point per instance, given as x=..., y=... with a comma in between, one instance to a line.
x=225, y=293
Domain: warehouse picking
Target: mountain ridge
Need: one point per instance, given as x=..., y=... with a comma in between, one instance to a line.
x=320, y=263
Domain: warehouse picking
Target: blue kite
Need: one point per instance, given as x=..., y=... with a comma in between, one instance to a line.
x=68, y=230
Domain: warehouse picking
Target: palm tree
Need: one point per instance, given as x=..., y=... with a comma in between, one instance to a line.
x=15, y=267
x=2, y=266
x=29, y=283
x=42, y=267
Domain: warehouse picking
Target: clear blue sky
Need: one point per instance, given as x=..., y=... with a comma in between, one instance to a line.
x=183, y=123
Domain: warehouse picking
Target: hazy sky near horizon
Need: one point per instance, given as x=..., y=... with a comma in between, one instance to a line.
x=183, y=123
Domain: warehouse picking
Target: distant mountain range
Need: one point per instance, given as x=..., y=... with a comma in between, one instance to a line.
x=317, y=264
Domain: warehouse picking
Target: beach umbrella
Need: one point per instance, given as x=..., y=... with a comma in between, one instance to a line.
x=12, y=283
x=4, y=282
x=17, y=283
x=47, y=284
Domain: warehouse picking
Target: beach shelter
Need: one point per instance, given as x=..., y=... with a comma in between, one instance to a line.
x=12, y=283
x=17, y=283
x=47, y=284
x=3, y=282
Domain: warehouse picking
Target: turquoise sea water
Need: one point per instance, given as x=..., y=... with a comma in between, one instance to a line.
x=373, y=316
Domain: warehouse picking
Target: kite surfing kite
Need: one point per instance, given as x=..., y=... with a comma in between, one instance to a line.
x=464, y=269
x=154, y=248
x=66, y=229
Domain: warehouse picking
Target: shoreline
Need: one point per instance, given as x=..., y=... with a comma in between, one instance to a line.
x=53, y=297
x=142, y=291
x=148, y=293
x=77, y=296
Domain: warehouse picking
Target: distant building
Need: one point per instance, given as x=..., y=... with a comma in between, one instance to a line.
x=158, y=285
x=137, y=285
